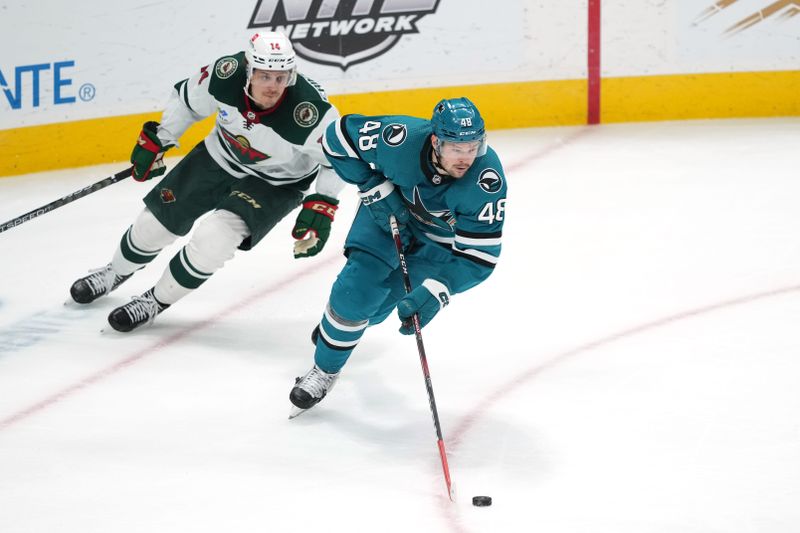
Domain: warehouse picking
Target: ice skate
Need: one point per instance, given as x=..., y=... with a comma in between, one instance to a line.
x=309, y=390
x=99, y=282
x=139, y=311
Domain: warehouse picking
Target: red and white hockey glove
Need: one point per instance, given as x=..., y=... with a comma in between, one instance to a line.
x=148, y=153
x=313, y=225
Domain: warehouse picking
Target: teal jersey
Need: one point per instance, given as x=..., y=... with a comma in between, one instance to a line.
x=464, y=215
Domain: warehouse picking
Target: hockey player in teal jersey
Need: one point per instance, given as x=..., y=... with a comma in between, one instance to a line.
x=250, y=172
x=447, y=190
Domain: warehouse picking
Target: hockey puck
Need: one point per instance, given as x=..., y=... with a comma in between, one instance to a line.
x=481, y=501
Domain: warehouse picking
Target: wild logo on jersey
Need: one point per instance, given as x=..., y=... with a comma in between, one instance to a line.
x=167, y=196
x=226, y=67
x=438, y=219
x=306, y=114
x=240, y=147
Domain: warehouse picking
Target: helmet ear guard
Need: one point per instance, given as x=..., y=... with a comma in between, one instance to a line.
x=458, y=120
x=271, y=51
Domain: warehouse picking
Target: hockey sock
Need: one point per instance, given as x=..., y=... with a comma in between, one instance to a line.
x=141, y=244
x=337, y=339
x=213, y=243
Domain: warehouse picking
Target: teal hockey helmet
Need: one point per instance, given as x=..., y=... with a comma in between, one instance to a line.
x=457, y=120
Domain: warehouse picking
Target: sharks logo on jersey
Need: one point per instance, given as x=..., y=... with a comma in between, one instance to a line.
x=490, y=181
x=394, y=134
x=440, y=219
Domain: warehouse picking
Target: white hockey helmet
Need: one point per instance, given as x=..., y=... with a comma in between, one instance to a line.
x=271, y=50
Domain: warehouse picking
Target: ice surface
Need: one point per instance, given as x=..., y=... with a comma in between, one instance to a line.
x=631, y=366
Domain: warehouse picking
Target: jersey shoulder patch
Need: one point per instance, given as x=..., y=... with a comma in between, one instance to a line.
x=225, y=67
x=490, y=181
x=488, y=175
x=485, y=183
x=384, y=140
x=228, y=77
x=398, y=129
x=300, y=111
x=308, y=102
x=394, y=134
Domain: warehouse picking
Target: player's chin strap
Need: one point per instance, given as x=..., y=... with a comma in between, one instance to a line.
x=250, y=96
x=436, y=156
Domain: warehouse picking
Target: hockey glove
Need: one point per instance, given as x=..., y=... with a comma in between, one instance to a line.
x=313, y=222
x=148, y=153
x=383, y=200
x=427, y=300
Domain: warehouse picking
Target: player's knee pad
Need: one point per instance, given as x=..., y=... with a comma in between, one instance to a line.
x=215, y=240
x=361, y=287
x=386, y=308
x=147, y=233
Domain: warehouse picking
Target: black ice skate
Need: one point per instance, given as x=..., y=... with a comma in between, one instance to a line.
x=99, y=282
x=309, y=390
x=141, y=310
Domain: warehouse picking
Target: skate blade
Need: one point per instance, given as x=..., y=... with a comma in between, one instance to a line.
x=296, y=411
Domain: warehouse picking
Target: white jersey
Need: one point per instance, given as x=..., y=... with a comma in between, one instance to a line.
x=280, y=145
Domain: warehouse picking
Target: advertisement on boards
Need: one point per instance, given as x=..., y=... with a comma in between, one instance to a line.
x=700, y=36
x=124, y=59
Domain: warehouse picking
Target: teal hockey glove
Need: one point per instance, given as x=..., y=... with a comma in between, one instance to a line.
x=427, y=300
x=313, y=222
x=383, y=200
x=148, y=153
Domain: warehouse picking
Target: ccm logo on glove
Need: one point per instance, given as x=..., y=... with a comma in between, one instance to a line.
x=313, y=225
x=322, y=207
x=383, y=200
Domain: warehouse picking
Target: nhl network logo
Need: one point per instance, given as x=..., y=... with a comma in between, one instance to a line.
x=341, y=33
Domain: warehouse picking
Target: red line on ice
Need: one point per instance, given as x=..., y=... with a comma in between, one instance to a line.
x=483, y=406
x=134, y=358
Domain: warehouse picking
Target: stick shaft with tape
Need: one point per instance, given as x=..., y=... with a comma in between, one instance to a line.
x=398, y=243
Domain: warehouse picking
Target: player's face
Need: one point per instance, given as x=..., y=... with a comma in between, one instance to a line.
x=267, y=86
x=456, y=158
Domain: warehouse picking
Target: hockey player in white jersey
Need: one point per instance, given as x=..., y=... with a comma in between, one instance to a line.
x=250, y=172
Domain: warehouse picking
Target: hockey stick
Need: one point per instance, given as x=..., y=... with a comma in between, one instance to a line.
x=398, y=244
x=30, y=215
